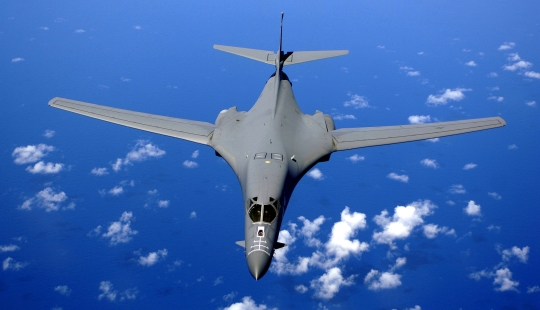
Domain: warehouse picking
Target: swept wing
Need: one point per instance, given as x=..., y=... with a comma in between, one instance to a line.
x=194, y=131
x=352, y=138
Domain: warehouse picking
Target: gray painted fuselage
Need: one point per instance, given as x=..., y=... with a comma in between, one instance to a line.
x=292, y=142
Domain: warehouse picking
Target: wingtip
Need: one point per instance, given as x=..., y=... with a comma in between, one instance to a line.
x=502, y=121
x=53, y=100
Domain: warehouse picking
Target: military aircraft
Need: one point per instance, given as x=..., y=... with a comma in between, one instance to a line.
x=274, y=144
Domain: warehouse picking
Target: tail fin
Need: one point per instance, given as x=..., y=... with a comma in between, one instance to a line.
x=280, y=59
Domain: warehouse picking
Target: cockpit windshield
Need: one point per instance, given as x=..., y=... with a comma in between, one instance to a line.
x=268, y=211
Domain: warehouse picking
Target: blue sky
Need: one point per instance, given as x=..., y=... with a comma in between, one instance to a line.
x=95, y=215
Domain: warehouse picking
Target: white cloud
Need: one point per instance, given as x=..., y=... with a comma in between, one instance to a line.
x=137, y=27
x=377, y=280
x=455, y=94
x=63, y=290
x=496, y=98
x=79, y=31
x=469, y=166
x=9, y=248
x=533, y=289
x=48, y=200
x=506, y=46
x=413, y=73
x=531, y=103
x=340, y=245
x=44, y=28
x=430, y=163
x=514, y=57
x=123, y=79
x=45, y=168
x=402, y=223
x=31, y=153
x=99, y=171
x=492, y=74
x=420, y=53
x=503, y=278
x=341, y=117
x=248, y=304
x=471, y=63
x=432, y=230
x=10, y=264
x=195, y=154
x=532, y=74
x=193, y=215
x=108, y=292
x=190, y=164
x=450, y=202
x=473, y=209
x=522, y=64
x=398, y=177
x=49, y=133
x=120, y=232
x=218, y=281
x=494, y=195
x=301, y=288
x=417, y=307
x=18, y=59
x=512, y=147
x=329, y=283
x=152, y=258
x=521, y=254
x=381, y=47
x=356, y=101
x=419, y=119
x=163, y=203
x=433, y=140
x=142, y=151
x=230, y=296
x=356, y=158
x=316, y=174
x=117, y=190
x=405, y=68
x=457, y=189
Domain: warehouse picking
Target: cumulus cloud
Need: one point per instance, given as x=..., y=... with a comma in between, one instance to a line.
x=433, y=140
x=18, y=59
x=9, y=248
x=377, y=280
x=419, y=119
x=522, y=64
x=531, y=103
x=116, y=191
x=492, y=74
x=80, y=31
x=45, y=168
x=471, y=63
x=152, y=258
x=49, y=133
x=99, y=171
x=533, y=289
x=495, y=196
x=142, y=151
x=341, y=117
x=521, y=254
x=432, y=230
x=506, y=46
x=356, y=101
x=47, y=199
x=218, y=281
x=469, y=166
x=248, y=304
x=190, y=164
x=163, y=203
x=108, y=292
x=455, y=94
x=413, y=73
x=316, y=174
x=496, y=98
x=301, y=288
x=457, y=189
x=120, y=231
x=63, y=290
x=330, y=283
x=193, y=215
x=532, y=74
x=503, y=278
x=195, y=154
x=402, y=223
x=512, y=147
x=356, y=158
x=10, y=264
x=473, y=209
x=30, y=153
x=398, y=177
x=430, y=163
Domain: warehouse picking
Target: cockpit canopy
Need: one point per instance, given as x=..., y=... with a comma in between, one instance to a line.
x=268, y=211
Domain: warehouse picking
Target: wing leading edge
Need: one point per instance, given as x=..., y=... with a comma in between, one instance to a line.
x=194, y=131
x=352, y=138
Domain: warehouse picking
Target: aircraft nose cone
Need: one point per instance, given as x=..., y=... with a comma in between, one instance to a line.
x=258, y=263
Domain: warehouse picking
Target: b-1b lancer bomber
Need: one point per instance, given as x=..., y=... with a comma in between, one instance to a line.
x=273, y=145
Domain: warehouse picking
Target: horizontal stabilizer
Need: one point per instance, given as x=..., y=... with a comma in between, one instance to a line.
x=291, y=58
x=241, y=243
x=259, y=55
x=299, y=57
